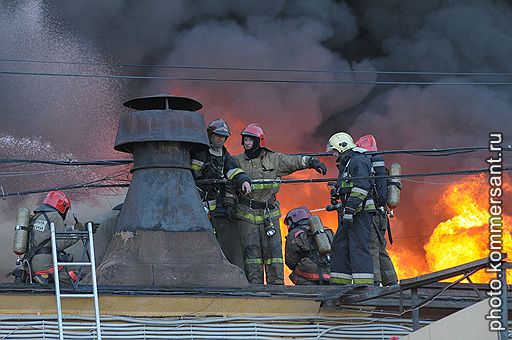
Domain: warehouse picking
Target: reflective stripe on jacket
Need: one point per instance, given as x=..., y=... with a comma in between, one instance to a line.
x=272, y=166
x=355, y=192
x=206, y=165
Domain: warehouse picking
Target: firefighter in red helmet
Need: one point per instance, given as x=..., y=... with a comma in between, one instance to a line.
x=383, y=269
x=258, y=213
x=53, y=210
x=308, y=265
x=217, y=163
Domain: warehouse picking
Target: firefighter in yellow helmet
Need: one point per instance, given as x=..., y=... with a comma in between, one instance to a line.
x=351, y=261
x=258, y=213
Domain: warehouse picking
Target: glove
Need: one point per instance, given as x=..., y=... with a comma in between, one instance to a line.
x=246, y=188
x=319, y=167
x=79, y=226
x=94, y=226
x=333, y=190
x=229, y=211
x=348, y=217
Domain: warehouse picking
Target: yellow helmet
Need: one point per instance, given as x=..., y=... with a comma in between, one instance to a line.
x=341, y=142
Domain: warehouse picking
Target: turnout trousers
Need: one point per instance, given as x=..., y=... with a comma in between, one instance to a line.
x=383, y=268
x=262, y=253
x=351, y=260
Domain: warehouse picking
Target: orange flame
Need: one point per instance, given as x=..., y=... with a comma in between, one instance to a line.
x=462, y=238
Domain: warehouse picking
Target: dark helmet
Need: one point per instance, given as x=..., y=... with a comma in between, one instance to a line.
x=296, y=215
x=255, y=130
x=218, y=127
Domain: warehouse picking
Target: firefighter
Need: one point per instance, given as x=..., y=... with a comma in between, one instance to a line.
x=351, y=260
x=308, y=266
x=383, y=268
x=39, y=256
x=258, y=214
x=217, y=163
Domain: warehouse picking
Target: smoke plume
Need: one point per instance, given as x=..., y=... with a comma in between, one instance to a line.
x=77, y=117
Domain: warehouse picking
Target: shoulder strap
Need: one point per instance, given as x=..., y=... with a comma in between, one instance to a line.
x=30, y=254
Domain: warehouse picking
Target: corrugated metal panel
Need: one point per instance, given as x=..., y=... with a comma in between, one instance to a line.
x=44, y=327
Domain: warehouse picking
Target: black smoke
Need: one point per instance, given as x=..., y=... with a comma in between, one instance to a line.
x=78, y=116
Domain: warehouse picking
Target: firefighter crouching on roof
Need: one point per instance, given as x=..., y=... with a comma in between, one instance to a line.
x=383, y=268
x=217, y=163
x=351, y=260
x=308, y=261
x=258, y=214
x=39, y=255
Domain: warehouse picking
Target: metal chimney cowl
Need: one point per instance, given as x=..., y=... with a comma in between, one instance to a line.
x=163, y=235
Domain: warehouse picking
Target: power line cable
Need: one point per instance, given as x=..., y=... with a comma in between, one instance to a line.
x=257, y=69
x=249, y=80
x=116, y=162
x=334, y=179
x=421, y=152
x=93, y=184
x=106, y=162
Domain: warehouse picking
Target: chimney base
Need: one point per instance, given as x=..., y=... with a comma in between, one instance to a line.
x=168, y=259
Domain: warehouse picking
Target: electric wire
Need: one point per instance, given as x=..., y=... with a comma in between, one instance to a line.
x=253, y=80
x=116, y=162
x=93, y=184
x=333, y=179
x=70, y=162
x=257, y=69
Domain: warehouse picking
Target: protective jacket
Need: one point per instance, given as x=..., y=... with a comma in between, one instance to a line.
x=272, y=166
x=39, y=238
x=261, y=210
x=303, y=258
x=351, y=260
x=207, y=164
x=355, y=192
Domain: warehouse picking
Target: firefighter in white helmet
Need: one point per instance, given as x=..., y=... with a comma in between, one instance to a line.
x=351, y=261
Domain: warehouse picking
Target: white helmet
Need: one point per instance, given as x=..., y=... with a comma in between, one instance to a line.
x=341, y=142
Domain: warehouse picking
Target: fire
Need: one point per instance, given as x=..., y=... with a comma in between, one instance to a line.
x=461, y=238
x=465, y=236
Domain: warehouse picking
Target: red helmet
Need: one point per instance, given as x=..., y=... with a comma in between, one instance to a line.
x=255, y=130
x=218, y=127
x=297, y=214
x=367, y=142
x=58, y=200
